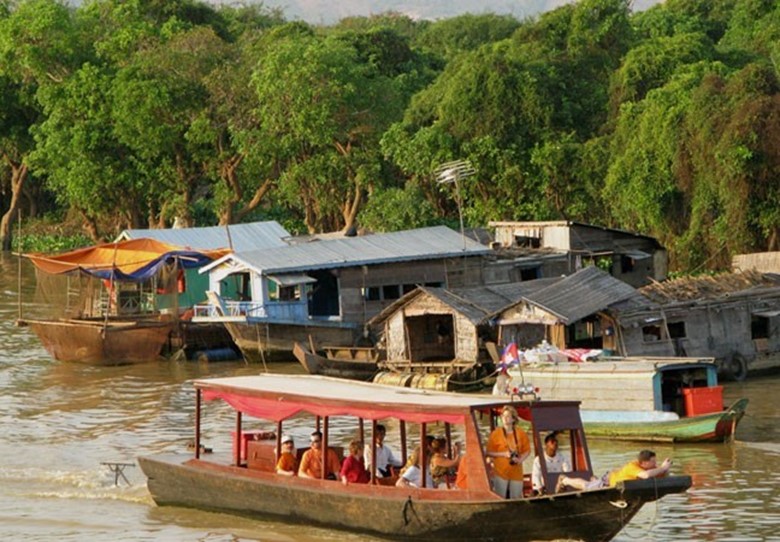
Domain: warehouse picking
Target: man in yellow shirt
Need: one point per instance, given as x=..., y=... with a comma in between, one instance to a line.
x=643, y=467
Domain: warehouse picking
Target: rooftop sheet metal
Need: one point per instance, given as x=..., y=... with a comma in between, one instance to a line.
x=244, y=237
x=418, y=244
x=586, y=292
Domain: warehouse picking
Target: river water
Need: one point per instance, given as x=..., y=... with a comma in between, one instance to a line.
x=59, y=422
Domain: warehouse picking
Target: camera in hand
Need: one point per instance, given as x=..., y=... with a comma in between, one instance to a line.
x=514, y=458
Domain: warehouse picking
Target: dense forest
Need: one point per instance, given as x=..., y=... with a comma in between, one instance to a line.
x=136, y=113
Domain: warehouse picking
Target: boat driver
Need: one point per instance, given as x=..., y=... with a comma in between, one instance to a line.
x=555, y=463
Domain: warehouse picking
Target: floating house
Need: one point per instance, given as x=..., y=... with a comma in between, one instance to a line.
x=447, y=330
x=563, y=247
x=323, y=291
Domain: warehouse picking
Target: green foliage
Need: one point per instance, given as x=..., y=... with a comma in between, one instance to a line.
x=448, y=38
x=394, y=209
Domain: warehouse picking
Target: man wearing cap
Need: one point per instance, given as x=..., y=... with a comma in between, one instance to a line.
x=287, y=461
x=311, y=462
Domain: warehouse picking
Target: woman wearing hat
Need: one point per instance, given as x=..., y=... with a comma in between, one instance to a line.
x=287, y=464
x=508, y=446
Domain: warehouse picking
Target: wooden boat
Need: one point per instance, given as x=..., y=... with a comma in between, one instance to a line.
x=661, y=399
x=126, y=307
x=99, y=342
x=354, y=363
x=244, y=481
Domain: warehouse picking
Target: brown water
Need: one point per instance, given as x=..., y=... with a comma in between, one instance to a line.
x=58, y=422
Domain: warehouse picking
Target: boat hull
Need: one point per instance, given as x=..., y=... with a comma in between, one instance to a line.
x=353, y=369
x=401, y=513
x=716, y=427
x=98, y=343
x=262, y=341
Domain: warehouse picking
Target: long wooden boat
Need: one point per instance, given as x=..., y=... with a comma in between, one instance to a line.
x=99, y=342
x=244, y=481
x=354, y=363
x=656, y=399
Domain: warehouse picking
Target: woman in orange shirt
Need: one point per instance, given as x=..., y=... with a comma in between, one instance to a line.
x=508, y=446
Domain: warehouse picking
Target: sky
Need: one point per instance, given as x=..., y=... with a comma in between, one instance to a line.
x=330, y=11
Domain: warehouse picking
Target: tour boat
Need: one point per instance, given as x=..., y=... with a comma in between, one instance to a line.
x=243, y=479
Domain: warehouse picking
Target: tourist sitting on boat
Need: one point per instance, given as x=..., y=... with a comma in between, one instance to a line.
x=287, y=460
x=642, y=468
x=412, y=476
x=555, y=463
x=311, y=462
x=508, y=446
x=442, y=467
x=353, y=470
x=385, y=459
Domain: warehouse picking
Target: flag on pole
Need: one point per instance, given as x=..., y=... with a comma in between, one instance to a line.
x=510, y=356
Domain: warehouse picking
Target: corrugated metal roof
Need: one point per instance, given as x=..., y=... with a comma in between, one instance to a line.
x=418, y=244
x=586, y=292
x=244, y=237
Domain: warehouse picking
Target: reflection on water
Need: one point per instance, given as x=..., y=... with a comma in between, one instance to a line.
x=58, y=422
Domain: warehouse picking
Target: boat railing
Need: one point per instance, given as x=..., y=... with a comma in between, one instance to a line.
x=230, y=309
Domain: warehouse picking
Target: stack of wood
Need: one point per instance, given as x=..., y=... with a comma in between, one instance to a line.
x=708, y=287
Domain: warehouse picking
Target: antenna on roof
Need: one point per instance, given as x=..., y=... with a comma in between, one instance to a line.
x=453, y=172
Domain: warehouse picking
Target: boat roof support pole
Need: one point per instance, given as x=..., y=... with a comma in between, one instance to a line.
x=373, y=452
x=278, y=438
x=324, y=454
x=239, y=438
x=423, y=455
x=197, y=422
x=362, y=429
x=448, y=434
x=403, y=442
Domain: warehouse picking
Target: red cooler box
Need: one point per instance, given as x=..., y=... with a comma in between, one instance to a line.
x=703, y=400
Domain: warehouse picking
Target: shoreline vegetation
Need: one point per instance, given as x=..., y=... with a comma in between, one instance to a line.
x=665, y=122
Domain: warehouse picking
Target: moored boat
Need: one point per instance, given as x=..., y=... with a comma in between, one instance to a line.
x=354, y=363
x=102, y=342
x=244, y=480
x=656, y=399
x=115, y=303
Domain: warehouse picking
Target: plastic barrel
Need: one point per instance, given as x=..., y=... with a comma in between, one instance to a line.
x=216, y=354
x=390, y=378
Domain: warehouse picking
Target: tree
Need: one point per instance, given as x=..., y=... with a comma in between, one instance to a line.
x=321, y=114
x=38, y=47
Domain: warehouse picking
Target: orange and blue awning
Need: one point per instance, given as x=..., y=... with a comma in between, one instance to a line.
x=134, y=260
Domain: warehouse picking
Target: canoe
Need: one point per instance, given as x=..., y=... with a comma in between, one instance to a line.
x=351, y=363
x=243, y=481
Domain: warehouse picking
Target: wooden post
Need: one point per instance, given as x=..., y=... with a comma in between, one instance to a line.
x=197, y=423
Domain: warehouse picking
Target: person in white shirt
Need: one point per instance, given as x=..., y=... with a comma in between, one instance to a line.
x=555, y=463
x=384, y=456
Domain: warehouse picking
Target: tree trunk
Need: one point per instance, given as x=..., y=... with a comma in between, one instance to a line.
x=18, y=176
x=351, y=209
